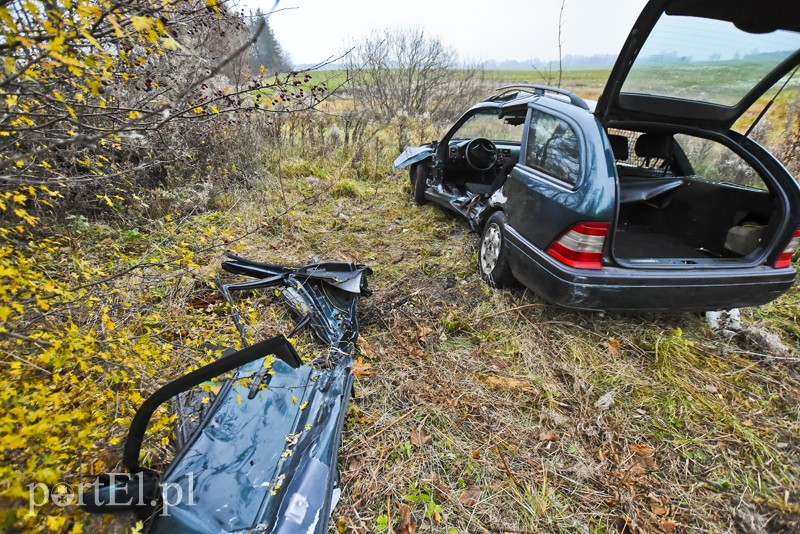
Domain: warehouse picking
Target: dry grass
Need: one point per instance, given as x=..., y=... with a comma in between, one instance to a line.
x=485, y=410
x=491, y=411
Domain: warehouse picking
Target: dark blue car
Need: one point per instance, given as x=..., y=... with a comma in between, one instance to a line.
x=654, y=198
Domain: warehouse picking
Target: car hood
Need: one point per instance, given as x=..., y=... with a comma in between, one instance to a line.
x=701, y=62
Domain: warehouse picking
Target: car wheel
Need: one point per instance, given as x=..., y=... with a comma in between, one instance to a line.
x=419, y=183
x=493, y=254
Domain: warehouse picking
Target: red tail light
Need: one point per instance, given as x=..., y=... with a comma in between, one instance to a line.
x=581, y=246
x=785, y=259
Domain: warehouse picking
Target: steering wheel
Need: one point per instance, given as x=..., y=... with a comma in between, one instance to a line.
x=481, y=154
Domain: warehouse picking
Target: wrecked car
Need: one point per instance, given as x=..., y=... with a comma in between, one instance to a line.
x=650, y=198
x=256, y=451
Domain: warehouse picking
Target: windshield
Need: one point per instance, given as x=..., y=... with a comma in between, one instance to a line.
x=488, y=124
x=706, y=60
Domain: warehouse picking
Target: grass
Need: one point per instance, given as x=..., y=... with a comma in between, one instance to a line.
x=500, y=369
x=539, y=419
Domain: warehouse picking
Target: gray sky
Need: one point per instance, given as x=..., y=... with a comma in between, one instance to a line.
x=313, y=30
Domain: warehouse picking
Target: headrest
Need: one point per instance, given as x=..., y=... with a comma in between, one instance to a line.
x=654, y=146
x=619, y=145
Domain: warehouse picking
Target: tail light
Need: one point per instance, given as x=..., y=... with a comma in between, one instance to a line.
x=785, y=259
x=581, y=246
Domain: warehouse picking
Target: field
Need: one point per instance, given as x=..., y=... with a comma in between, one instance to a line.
x=475, y=410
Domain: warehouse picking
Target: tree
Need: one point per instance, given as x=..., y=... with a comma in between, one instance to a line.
x=547, y=75
x=266, y=50
x=398, y=71
x=90, y=86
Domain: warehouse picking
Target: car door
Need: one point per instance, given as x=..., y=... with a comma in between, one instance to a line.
x=544, y=192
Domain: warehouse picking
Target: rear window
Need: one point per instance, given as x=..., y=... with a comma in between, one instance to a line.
x=714, y=162
x=706, y=60
x=659, y=155
x=553, y=148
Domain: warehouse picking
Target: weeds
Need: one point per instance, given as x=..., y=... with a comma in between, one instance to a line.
x=484, y=410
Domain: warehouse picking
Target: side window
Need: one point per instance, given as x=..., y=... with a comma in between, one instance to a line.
x=553, y=148
x=715, y=162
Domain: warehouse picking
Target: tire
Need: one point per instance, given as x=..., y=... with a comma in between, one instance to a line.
x=419, y=179
x=493, y=253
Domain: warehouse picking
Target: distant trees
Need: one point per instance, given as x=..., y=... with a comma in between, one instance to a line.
x=266, y=49
x=396, y=71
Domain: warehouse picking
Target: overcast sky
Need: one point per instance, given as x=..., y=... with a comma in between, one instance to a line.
x=314, y=30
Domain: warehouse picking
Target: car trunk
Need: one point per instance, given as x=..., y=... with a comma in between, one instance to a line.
x=697, y=66
x=687, y=202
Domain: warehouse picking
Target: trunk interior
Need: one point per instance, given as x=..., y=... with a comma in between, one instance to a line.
x=684, y=201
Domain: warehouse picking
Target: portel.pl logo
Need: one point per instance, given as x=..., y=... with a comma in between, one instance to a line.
x=63, y=494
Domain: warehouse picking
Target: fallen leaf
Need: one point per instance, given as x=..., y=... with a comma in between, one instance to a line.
x=365, y=347
x=422, y=332
x=407, y=525
x=748, y=423
x=421, y=437
x=476, y=454
x=612, y=345
x=362, y=369
x=711, y=388
x=667, y=526
x=644, y=455
x=471, y=496
x=512, y=384
x=548, y=435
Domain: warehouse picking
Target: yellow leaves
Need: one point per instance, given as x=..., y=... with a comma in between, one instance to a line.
x=133, y=115
x=8, y=21
x=19, y=198
x=262, y=69
x=25, y=216
x=56, y=44
x=141, y=23
x=106, y=199
x=214, y=108
x=89, y=37
x=213, y=5
x=168, y=43
x=89, y=11
x=56, y=522
x=198, y=109
x=11, y=101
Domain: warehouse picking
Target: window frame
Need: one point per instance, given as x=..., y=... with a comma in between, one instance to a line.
x=579, y=138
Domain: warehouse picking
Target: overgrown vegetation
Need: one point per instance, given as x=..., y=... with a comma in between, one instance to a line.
x=476, y=409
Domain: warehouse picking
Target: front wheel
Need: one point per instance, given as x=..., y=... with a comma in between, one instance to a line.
x=493, y=255
x=419, y=182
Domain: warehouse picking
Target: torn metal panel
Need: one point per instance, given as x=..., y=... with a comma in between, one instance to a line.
x=413, y=155
x=263, y=457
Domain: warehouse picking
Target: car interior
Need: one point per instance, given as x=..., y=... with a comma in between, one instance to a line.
x=482, y=152
x=686, y=200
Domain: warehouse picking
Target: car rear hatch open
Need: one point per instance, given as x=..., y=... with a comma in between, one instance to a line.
x=693, y=193
x=701, y=62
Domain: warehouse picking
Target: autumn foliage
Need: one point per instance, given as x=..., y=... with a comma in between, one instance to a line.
x=104, y=103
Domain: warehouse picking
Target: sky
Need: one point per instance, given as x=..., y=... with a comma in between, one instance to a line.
x=312, y=31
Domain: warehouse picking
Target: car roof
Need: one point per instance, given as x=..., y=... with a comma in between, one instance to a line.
x=511, y=96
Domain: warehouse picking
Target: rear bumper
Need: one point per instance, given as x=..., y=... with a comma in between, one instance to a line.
x=623, y=289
